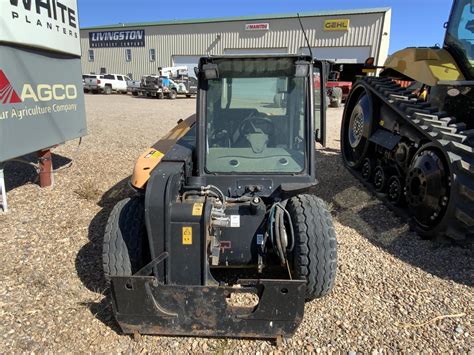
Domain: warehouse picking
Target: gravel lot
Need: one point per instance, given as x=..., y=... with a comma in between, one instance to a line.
x=391, y=285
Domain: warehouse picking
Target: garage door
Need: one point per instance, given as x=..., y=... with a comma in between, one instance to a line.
x=241, y=51
x=191, y=61
x=349, y=55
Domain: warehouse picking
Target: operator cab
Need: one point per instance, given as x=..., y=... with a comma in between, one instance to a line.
x=243, y=130
x=459, y=39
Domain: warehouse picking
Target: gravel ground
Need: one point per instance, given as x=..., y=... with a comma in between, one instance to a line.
x=391, y=285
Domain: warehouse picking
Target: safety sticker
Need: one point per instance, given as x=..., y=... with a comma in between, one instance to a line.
x=187, y=235
x=235, y=221
x=154, y=154
x=197, y=209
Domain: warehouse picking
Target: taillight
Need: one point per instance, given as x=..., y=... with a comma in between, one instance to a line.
x=98, y=81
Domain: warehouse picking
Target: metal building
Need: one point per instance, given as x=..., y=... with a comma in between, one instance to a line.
x=348, y=37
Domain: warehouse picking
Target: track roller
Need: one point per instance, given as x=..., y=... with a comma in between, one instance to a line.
x=427, y=187
x=380, y=178
x=395, y=190
x=367, y=169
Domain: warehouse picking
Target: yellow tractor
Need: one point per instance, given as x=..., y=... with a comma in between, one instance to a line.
x=409, y=133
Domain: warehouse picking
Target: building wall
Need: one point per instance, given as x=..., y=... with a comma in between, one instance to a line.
x=214, y=38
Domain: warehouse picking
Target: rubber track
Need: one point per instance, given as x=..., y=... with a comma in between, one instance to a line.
x=448, y=135
x=316, y=246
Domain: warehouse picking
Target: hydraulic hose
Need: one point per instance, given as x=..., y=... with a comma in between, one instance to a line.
x=279, y=224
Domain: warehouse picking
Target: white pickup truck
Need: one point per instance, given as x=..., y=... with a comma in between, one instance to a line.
x=107, y=83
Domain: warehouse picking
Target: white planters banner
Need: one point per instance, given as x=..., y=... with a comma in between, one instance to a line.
x=47, y=24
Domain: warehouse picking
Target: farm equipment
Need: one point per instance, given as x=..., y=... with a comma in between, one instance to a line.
x=153, y=86
x=414, y=145
x=184, y=85
x=224, y=236
x=337, y=90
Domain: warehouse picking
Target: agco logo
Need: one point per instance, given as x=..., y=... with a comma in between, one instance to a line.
x=8, y=95
x=39, y=93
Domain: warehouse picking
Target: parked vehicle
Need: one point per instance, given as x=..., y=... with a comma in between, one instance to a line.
x=174, y=72
x=225, y=206
x=113, y=83
x=152, y=85
x=107, y=83
x=413, y=145
x=180, y=80
x=89, y=82
x=337, y=90
x=160, y=86
x=134, y=87
x=184, y=85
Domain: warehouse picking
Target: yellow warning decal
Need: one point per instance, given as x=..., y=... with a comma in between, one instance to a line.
x=157, y=154
x=187, y=235
x=197, y=209
x=154, y=154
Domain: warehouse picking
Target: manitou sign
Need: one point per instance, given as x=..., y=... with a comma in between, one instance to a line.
x=41, y=99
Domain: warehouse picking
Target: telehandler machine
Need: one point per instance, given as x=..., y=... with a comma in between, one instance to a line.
x=225, y=236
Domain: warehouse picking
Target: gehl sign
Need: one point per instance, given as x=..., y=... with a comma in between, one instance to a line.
x=336, y=25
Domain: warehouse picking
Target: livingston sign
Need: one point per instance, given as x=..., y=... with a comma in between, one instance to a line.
x=336, y=25
x=127, y=38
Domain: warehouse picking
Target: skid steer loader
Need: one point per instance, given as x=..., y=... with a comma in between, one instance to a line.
x=224, y=209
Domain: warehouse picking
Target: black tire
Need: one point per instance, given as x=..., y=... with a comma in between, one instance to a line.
x=357, y=121
x=188, y=95
x=125, y=249
x=134, y=93
x=172, y=95
x=107, y=90
x=336, y=100
x=315, y=250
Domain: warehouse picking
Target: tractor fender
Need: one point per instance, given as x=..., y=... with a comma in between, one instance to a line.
x=153, y=155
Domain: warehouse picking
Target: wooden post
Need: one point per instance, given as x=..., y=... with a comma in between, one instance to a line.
x=3, y=190
x=45, y=162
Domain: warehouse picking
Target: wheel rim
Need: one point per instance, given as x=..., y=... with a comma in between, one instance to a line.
x=427, y=188
x=379, y=178
x=367, y=168
x=357, y=128
x=395, y=190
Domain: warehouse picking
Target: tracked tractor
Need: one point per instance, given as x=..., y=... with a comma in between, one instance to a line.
x=408, y=134
x=225, y=236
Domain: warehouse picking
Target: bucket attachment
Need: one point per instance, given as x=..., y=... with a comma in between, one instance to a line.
x=142, y=305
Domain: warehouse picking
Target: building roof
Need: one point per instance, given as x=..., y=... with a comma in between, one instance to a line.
x=243, y=18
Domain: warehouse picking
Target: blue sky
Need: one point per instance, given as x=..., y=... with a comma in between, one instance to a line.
x=414, y=22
